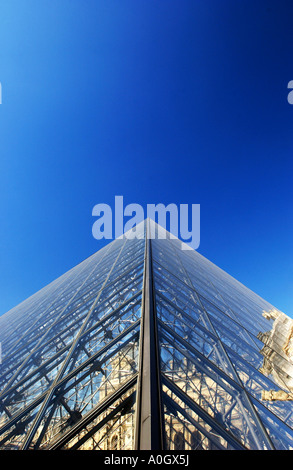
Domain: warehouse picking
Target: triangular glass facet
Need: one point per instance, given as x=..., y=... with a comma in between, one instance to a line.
x=145, y=345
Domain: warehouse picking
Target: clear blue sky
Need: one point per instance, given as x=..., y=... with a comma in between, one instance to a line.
x=181, y=101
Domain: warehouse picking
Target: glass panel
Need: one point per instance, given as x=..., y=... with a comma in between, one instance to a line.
x=186, y=430
x=80, y=337
x=70, y=356
x=113, y=429
x=212, y=391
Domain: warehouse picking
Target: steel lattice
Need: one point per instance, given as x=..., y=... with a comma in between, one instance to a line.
x=144, y=328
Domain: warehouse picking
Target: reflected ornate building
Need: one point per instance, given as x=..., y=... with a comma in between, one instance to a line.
x=145, y=345
x=278, y=355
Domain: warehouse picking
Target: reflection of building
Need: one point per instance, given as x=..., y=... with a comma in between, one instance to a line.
x=278, y=355
x=118, y=434
x=146, y=346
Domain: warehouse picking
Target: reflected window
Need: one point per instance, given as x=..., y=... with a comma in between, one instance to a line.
x=179, y=441
x=195, y=442
x=114, y=442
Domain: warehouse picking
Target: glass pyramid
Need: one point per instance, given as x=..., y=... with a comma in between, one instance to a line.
x=145, y=345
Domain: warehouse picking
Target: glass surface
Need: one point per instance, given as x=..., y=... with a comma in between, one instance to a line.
x=71, y=356
x=223, y=346
x=70, y=346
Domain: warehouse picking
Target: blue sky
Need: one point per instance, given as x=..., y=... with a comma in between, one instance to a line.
x=156, y=100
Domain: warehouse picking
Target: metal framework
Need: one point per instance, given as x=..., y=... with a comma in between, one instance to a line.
x=145, y=345
x=149, y=432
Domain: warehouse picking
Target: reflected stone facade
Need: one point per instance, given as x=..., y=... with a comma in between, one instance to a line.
x=146, y=346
